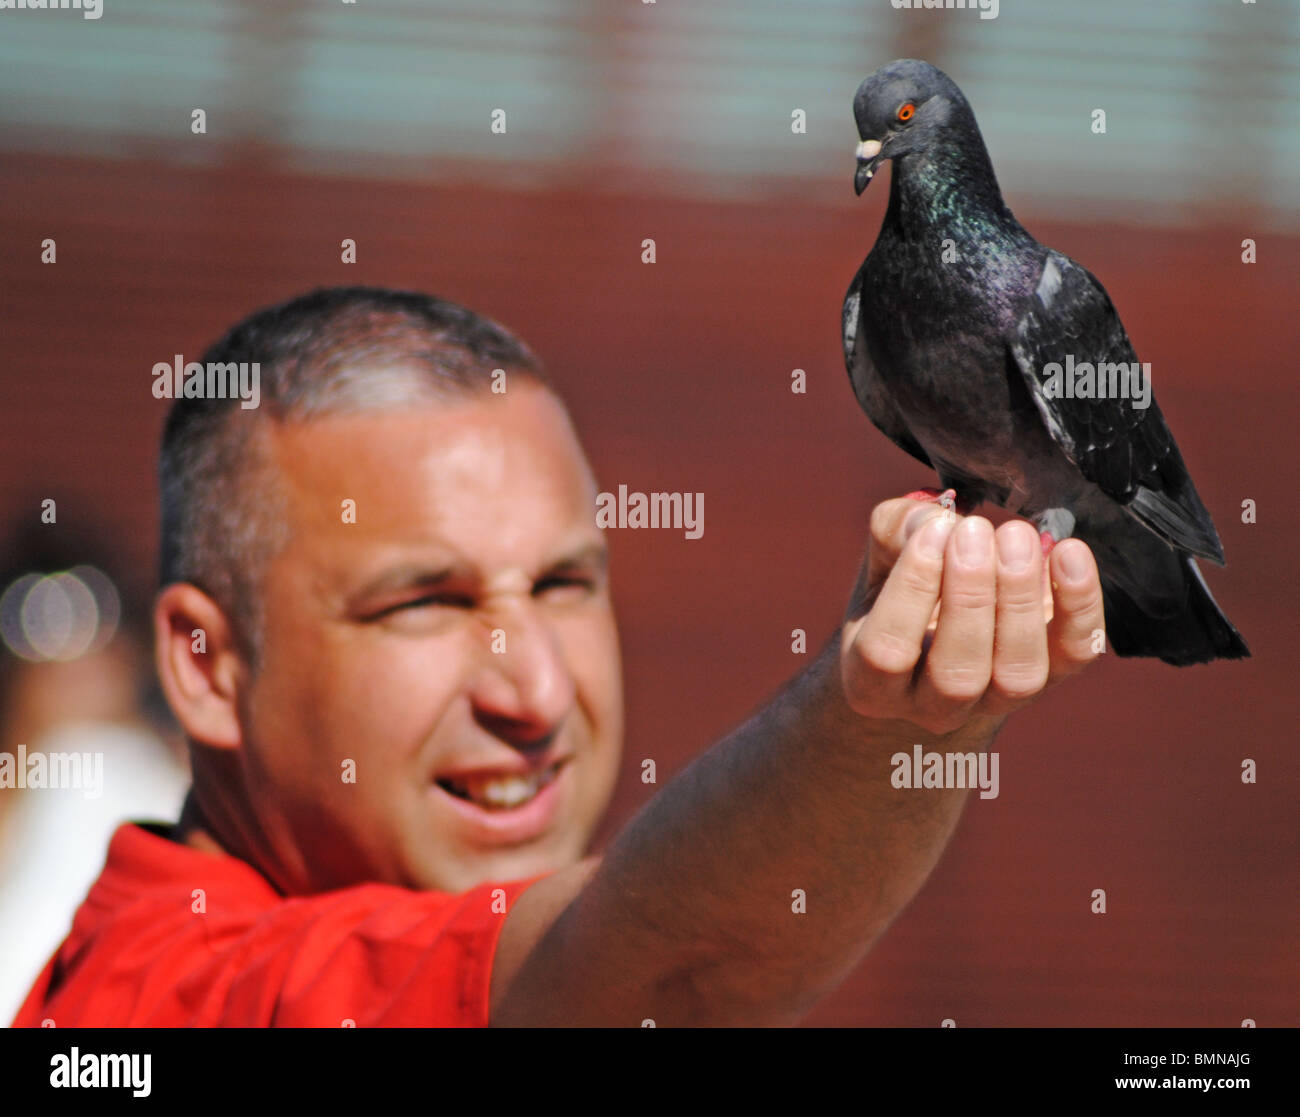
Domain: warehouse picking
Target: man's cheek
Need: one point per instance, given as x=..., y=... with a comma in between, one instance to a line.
x=383, y=727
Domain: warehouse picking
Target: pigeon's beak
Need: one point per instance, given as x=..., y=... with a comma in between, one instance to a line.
x=868, y=160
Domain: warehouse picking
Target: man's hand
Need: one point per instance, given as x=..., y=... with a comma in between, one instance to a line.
x=687, y=918
x=993, y=647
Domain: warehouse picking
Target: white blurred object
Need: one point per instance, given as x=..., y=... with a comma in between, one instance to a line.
x=53, y=842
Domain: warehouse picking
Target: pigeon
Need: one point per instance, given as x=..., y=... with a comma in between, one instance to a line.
x=959, y=331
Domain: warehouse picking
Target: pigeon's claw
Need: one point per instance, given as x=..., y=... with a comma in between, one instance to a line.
x=947, y=499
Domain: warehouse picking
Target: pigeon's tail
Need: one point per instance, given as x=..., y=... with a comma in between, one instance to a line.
x=1157, y=602
x=1198, y=633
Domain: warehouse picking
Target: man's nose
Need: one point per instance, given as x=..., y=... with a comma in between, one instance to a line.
x=525, y=688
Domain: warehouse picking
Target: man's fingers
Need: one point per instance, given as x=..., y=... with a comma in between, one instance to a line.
x=885, y=645
x=1020, y=661
x=960, y=661
x=893, y=523
x=998, y=642
x=1077, y=632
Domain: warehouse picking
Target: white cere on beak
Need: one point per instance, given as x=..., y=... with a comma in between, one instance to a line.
x=868, y=149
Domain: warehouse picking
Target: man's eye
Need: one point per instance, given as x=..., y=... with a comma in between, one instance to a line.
x=564, y=584
x=450, y=600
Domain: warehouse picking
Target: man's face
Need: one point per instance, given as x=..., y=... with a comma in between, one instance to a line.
x=439, y=697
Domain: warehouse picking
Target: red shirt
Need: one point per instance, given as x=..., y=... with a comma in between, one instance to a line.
x=139, y=954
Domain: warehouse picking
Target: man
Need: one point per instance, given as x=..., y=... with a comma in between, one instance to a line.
x=386, y=629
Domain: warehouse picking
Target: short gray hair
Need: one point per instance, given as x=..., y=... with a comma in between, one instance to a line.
x=333, y=351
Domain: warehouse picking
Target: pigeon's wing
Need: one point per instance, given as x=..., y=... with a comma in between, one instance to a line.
x=1127, y=451
x=872, y=394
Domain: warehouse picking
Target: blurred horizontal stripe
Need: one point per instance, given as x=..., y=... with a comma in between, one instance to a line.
x=1202, y=96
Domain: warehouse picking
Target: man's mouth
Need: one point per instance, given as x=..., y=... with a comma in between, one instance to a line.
x=501, y=791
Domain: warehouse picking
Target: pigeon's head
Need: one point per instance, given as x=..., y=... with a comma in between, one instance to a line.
x=903, y=107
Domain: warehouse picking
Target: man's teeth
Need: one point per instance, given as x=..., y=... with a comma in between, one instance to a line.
x=502, y=792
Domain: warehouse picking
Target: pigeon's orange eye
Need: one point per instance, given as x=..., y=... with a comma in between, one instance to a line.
x=906, y=111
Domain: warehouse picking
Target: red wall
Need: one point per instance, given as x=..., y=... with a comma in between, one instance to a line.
x=1127, y=779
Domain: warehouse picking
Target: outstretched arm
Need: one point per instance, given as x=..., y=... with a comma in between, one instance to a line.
x=687, y=918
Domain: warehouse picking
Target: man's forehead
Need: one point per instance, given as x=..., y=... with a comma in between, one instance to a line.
x=508, y=465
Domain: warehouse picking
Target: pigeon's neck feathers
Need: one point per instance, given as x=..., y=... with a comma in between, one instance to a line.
x=950, y=184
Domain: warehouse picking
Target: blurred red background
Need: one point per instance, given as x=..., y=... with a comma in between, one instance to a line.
x=678, y=375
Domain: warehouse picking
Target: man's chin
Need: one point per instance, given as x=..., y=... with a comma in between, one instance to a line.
x=472, y=868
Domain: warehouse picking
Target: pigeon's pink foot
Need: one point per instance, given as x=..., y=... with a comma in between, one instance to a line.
x=946, y=499
x=1045, y=538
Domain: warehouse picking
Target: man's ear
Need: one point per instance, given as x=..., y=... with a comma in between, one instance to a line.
x=199, y=664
